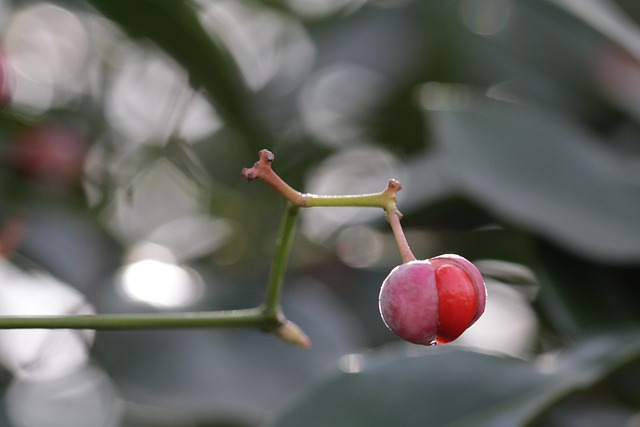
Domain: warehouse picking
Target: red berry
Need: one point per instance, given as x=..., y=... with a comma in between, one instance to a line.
x=6, y=80
x=51, y=153
x=434, y=300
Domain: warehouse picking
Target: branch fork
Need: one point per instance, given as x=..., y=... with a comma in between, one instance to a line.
x=268, y=316
x=263, y=170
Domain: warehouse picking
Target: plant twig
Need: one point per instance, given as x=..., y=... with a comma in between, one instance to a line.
x=278, y=268
x=385, y=199
x=262, y=170
x=269, y=315
x=246, y=318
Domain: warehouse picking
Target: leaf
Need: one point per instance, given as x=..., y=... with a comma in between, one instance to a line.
x=544, y=172
x=449, y=388
x=231, y=375
x=608, y=18
x=174, y=26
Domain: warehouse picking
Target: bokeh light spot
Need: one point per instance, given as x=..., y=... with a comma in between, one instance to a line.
x=153, y=277
x=48, y=47
x=351, y=363
x=320, y=8
x=508, y=325
x=85, y=398
x=40, y=354
x=336, y=103
x=485, y=17
x=359, y=246
x=444, y=96
x=160, y=284
x=270, y=48
x=352, y=171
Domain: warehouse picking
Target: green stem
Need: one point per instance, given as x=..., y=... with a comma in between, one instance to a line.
x=377, y=200
x=247, y=318
x=272, y=306
x=268, y=316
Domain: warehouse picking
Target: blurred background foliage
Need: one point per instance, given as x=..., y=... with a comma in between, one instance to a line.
x=514, y=126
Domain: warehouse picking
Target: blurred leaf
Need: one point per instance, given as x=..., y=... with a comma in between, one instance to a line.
x=231, y=375
x=546, y=173
x=456, y=388
x=185, y=159
x=595, y=407
x=578, y=295
x=609, y=19
x=174, y=26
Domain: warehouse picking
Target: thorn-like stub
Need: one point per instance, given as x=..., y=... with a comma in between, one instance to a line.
x=394, y=185
x=291, y=333
x=390, y=192
x=261, y=167
x=248, y=174
x=267, y=155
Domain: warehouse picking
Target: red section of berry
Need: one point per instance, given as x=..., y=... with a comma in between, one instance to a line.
x=457, y=302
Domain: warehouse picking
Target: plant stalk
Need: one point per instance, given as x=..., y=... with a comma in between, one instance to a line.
x=273, y=295
x=246, y=318
x=269, y=315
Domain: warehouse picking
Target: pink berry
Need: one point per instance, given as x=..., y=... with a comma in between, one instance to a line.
x=6, y=80
x=51, y=153
x=434, y=300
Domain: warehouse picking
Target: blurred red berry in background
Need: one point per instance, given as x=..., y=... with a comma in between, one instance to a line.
x=51, y=153
x=6, y=80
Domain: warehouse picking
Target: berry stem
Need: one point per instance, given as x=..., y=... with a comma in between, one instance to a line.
x=403, y=246
x=385, y=199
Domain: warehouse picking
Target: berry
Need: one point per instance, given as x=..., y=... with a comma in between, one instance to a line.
x=51, y=153
x=433, y=300
x=6, y=80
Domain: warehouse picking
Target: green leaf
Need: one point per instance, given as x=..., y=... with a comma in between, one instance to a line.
x=174, y=27
x=608, y=18
x=231, y=375
x=544, y=172
x=446, y=388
